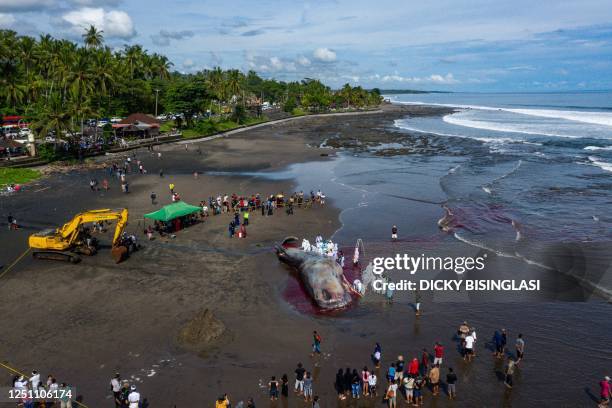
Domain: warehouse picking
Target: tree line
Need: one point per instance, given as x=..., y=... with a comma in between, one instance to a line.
x=57, y=84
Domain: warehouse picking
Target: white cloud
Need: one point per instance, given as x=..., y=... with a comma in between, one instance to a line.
x=276, y=63
x=303, y=61
x=324, y=55
x=6, y=20
x=114, y=23
x=439, y=79
x=271, y=64
x=188, y=63
x=447, y=79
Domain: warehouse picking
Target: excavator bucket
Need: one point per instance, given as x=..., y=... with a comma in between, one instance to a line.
x=119, y=253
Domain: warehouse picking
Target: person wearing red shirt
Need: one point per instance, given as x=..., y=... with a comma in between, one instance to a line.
x=438, y=353
x=413, y=367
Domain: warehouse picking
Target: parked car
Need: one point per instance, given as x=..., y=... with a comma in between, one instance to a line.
x=24, y=132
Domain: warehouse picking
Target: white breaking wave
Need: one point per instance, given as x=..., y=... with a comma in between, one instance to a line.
x=498, y=127
x=598, y=148
x=596, y=118
x=601, y=164
x=401, y=124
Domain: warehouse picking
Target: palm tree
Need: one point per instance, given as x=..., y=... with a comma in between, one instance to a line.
x=160, y=66
x=53, y=117
x=216, y=82
x=234, y=82
x=93, y=37
x=134, y=57
x=346, y=93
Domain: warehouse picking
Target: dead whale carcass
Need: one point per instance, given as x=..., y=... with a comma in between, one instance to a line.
x=322, y=276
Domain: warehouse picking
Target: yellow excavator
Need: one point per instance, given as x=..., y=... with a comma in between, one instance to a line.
x=72, y=239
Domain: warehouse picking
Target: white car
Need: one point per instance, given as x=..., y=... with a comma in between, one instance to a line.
x=116, y=120
x=24, y=131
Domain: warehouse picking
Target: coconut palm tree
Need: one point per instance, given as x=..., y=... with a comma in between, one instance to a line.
x=93, y=37
x=234, y=83
x=215, y=80
x=160, y=67
x=53, y=117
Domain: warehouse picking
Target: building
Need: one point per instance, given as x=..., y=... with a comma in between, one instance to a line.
x=137, y=125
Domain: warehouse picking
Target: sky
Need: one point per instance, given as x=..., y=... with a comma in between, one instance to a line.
x=447, y=45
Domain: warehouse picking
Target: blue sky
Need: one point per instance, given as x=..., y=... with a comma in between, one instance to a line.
x=520, y=45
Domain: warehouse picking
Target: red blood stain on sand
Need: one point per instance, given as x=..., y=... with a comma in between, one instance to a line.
x=297, y=295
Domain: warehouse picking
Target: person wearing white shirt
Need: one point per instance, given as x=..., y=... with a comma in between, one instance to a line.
x=469, y=347
x=20, y=384
x=115, y=384
x=35, y=380
x=53, y=386
x=133, y=397
x=372, y=384
x=475, y=338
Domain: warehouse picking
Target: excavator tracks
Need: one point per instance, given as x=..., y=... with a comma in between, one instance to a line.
x=57, y=256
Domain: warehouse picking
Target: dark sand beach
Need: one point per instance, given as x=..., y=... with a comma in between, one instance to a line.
x=84, y=322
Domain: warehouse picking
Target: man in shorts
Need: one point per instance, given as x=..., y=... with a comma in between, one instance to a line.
x=299, y=379
x=434, y=379
x=409, y=388
x=451, y=380
x=438, y=353
x=394, y=233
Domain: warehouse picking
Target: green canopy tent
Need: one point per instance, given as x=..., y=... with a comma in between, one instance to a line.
x=172, y=211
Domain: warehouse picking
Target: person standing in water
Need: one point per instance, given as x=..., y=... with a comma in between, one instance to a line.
x=451, y=379
x=394, y=233
x=285, y=386
x=316, y=343
x=417, y=302
x=509, y=373
x=520, y=348
x=273, y=388
x=604, y=392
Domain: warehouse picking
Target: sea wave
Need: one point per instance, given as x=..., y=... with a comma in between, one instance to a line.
x=498, y=127
x=596, y=118
x=595, y=161
x=400, y=123
x=598, y=148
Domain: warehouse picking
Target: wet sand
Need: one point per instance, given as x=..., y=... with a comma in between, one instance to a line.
x=84, y=322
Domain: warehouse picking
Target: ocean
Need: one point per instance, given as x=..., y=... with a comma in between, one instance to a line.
x=523, y=178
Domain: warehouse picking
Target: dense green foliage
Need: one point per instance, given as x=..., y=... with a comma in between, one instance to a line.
x=17, y=176
x=58, y=85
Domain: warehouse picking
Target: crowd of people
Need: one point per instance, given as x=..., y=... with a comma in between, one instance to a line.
x=405, y=379
x=126, y=395
x=32, y=392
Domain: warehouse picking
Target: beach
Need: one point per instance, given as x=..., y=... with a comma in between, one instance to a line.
x=84, y=322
